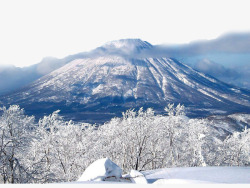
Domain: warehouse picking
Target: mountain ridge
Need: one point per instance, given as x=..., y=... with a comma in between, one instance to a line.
x=109, y=84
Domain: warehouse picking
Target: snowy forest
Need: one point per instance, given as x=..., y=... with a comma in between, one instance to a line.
x=55, y=150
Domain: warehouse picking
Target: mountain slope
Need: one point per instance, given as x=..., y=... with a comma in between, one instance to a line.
x=13, y=78
x=115, y=80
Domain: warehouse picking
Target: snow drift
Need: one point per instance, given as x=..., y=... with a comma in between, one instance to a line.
x=106, y=170
x=100, y=170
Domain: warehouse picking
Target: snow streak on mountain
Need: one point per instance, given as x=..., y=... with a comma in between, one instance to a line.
x=115, y=78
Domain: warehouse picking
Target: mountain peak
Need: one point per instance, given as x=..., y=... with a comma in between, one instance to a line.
x=127, y=45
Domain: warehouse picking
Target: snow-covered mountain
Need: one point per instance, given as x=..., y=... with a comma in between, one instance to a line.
x=114, y=78
x=225, y=58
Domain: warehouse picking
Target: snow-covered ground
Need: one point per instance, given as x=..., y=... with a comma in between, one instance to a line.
x=106, y=171
x=228, y=175
x=192, y=175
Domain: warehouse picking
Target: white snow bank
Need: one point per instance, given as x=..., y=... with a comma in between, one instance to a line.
x=100, y=170
x=137, y=177
x=194, y=175
x=106, y=171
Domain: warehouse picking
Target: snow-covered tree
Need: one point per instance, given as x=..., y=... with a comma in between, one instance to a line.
x=141, y=140
x=126, y=140
x=195, y=133
x=15, y=138
x=235, y=149
x=54, y=150
x=59, y=152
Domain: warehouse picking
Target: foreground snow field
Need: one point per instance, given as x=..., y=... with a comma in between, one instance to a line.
x=106, y=171
x=193, y=175
x=228, y=175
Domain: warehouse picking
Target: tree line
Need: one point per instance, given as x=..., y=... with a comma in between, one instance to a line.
x=54, y=150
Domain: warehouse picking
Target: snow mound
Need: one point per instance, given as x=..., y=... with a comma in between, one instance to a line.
x=137, y=177
x=100, y=170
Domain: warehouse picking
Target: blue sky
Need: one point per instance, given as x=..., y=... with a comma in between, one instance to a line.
x=31, y=30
